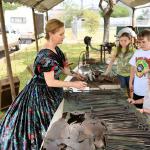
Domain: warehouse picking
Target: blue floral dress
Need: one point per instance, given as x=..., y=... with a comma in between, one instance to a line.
x=29, y=116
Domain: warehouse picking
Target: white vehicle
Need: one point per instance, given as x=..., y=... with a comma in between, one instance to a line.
x=21, y=20
x=13, y=42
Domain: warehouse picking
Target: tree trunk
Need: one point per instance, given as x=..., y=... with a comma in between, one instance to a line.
x=106, y=29
x=107, y=11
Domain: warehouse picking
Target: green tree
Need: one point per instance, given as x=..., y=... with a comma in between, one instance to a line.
x=70, y=10
x=10, y=6
x=120, y=11
x=107, y=10
x=91, y=20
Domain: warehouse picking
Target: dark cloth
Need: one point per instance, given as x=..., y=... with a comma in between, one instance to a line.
x=29, y=116
x=136, y=97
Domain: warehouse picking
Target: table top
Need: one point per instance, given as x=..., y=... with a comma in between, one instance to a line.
x=127, y=128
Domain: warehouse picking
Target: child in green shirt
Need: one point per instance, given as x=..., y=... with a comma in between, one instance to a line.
x=122, y=53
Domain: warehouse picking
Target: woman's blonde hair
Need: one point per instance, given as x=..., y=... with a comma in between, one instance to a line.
x=53, y=26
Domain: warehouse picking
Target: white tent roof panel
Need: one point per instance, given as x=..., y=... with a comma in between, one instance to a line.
x=136, y=3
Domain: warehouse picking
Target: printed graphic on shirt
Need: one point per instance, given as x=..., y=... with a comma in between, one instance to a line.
x=142, y=64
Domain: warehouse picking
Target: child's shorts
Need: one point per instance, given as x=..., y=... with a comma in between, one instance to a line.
x=124, y=81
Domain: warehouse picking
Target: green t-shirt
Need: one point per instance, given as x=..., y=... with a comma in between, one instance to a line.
x=123, y=66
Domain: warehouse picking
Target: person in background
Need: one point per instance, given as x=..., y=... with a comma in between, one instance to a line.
x=140, y=65
x=122, y=53
x=27, y=119
x=130, y=30
x=145, y=101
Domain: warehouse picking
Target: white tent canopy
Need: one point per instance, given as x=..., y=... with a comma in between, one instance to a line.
x=45, y=5
x=136, y=3
x=39, y=5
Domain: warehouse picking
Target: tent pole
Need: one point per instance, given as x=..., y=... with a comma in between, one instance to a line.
x=9, y=69
x=47, y=16
x=133, y=17
x=35, y=29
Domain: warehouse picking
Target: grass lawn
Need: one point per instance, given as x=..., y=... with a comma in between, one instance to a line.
x=21, y=59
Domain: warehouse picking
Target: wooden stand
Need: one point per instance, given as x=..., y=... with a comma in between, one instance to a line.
x=5, y=92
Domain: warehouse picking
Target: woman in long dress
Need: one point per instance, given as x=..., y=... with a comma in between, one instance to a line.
x=29, y=116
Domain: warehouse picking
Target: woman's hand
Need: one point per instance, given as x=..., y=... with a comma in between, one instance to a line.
x=79, y=84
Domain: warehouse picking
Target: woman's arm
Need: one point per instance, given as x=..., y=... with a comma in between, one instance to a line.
x=52, y=82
